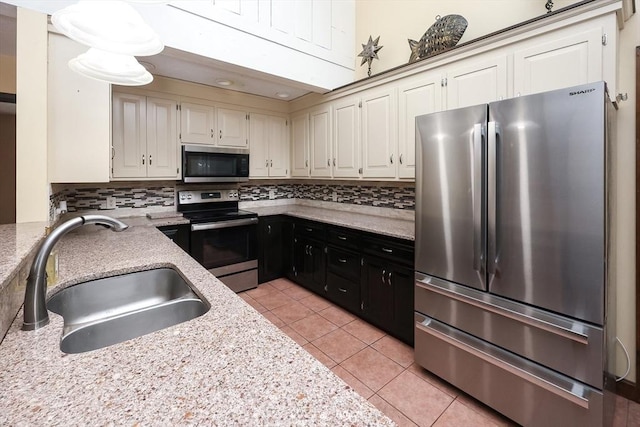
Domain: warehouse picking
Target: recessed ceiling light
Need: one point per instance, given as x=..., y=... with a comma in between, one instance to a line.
x=224, y=82
x=282, y=94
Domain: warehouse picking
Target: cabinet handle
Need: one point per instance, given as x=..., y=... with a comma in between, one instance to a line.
x=328, y=162
x=306, y=163
x=342, y=260
x=220, y=133
x=391, y=159
x=389, y=279
x=266, y=163
x=309, y=229
x=342, y=290
x=150, y=160
x=387, y=250
x=310, y=250
x=211, y=133
x=113, y=152
x=361, y=305
x=143, y=159
x=268, y=229
x=384, y=273
x=342, y=238
x=334, y=161
x=270, y=163
x=400, y=159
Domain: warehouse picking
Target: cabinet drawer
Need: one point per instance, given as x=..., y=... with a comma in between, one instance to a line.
x=389, y=249
x=343, y=292
x=526, y=331
x=344, y=263
x=345, y=239
x=309, y=229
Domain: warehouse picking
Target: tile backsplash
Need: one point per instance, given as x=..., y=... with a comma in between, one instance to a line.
x=140, y=195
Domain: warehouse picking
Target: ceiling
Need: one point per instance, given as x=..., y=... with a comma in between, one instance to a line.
x=183, y=66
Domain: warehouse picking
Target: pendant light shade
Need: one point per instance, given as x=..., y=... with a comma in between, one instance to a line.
x=111, y=67
x=108, y=25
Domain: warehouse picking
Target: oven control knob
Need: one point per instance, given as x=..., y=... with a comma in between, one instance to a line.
x=189, y=196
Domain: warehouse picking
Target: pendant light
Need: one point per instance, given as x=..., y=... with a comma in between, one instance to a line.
x=116, y=32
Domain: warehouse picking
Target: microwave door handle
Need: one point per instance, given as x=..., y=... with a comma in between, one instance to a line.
x=223, y=224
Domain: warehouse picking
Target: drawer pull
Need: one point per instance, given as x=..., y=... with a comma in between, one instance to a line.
x=342, y=290
x=342, y=238
x=309, y=229
x=387, y=250
x=342, y=260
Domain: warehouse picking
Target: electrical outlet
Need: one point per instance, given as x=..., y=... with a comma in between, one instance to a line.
x=272, y=194
x=334, y=196
x=111, y=202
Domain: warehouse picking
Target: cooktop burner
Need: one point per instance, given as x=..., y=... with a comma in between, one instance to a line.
x=211, y=205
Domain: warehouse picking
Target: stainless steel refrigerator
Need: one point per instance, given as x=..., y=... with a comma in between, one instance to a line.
x=512, y=238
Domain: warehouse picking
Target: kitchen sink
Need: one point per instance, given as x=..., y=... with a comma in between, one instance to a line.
x=106, y=311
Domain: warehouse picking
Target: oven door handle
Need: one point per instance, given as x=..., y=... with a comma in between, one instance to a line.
x=223, y=224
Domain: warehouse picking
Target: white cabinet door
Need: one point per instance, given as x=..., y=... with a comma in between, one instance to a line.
x=78, y=125
x=346, y=138
x=415, y=98
x=320, y=141
x=477, y=81
x=565, y=62
x=259, y=149
x=129, y=136
x=379, y=134
x=300, y=145
x=197, y=123
x=278, y=147
x=162, y=139
x=232, y=128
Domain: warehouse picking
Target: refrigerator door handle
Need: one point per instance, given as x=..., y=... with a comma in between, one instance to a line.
x=478, y=141
x=493, y=134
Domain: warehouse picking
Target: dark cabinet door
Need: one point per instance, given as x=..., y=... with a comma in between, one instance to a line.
x=270, y=259
x=179, y=234
x=377, y=291
x=388, y=300
x=314, y=265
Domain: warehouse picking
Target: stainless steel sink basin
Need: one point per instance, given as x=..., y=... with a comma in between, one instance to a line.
x=106, y=311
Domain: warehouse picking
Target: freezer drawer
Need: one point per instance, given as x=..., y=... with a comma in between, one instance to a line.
x=562, y=344
x=527, y=393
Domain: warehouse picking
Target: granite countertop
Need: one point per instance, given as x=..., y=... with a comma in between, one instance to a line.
x=230, y=366
x=400, y=227
x=16, y=242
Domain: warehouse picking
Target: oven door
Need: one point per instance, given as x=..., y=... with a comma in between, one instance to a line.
x=228, y=249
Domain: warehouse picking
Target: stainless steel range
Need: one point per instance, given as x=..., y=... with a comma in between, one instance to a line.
x=223, y=237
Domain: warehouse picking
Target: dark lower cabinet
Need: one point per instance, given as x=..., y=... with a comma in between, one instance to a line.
x=179, y=234
x=271, y=253
x=368, y=274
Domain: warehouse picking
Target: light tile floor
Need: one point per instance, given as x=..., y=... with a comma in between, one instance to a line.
x=377, y=366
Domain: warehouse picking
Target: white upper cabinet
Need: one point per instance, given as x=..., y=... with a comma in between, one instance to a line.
x=320, y=141
x=269, y=146
x=163, y=149
x=415, y=98
x=346, y=138
x=232, y=128
x=129, y=136
x=197, y=123
x=145, y=138
x=300, y=145
x=477, y=81
x=379, y=133
x=78, y=125
x=569, y=61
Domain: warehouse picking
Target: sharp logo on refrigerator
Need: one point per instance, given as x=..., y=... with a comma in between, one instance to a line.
x=580, y=92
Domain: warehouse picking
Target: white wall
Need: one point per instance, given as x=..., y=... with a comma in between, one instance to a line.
x=398, y=20
x=32, y=189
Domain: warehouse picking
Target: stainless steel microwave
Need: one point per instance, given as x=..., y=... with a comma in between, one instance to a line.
x=201, y=163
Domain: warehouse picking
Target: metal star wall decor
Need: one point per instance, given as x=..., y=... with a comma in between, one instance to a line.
x=369, y=52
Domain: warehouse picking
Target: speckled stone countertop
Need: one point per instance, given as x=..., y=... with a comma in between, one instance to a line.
x=16, y=242
x=400, y=227
x=230, y=366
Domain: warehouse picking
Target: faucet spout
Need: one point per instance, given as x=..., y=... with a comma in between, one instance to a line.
x=35, y=309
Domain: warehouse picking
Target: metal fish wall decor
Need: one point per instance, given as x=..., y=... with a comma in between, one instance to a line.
x=443, y=34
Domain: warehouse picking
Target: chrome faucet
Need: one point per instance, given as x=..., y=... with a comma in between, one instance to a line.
x=35, y=309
